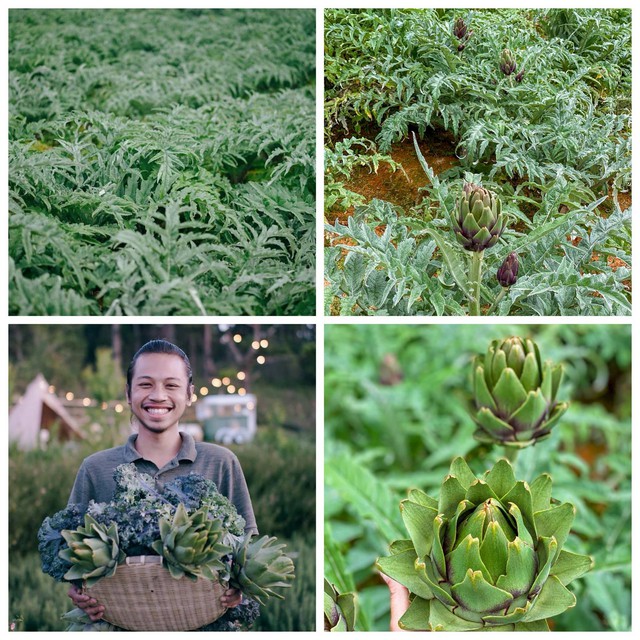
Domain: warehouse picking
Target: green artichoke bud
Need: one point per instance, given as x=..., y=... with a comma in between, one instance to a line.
x=478, y=220
x=93, y=551
x=487, y=555
x=507, y=62
x=259, y=567
x=339, y=609
x=192, y=546
x=507, y=273
x=515, y=394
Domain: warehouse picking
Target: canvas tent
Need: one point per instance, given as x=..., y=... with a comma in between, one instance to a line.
x=31, y=418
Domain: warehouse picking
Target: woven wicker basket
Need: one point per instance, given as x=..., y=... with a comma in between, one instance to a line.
x=142, y=596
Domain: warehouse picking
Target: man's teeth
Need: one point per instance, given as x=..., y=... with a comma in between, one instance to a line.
x=157, y=411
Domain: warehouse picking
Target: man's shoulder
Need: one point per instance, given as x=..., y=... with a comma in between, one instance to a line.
x=213, y=451
x=105, y=457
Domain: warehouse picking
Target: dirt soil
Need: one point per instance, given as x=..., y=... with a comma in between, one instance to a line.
x=398, y=187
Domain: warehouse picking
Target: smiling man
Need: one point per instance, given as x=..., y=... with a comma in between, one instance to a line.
x=159, y=389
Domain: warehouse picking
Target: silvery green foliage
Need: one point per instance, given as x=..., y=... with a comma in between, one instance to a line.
x=153, y=173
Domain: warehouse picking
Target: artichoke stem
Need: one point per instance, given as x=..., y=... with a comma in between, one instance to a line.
x=511, y=454
x=475, y=275
x=499, y=297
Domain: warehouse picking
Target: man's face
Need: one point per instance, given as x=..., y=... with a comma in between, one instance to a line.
x=159, y=392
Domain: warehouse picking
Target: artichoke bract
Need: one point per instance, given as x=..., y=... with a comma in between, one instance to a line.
x=486, y=555
x=93, y=551
x=260, y=566
x=515, y=394
x=192, y=546
x=478, y=220
x=339, y=609
x=507, y=62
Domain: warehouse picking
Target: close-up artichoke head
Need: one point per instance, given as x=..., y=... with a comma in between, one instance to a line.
x=515, y=394
x=478, y=221
x=486, y=555
x=93, y=551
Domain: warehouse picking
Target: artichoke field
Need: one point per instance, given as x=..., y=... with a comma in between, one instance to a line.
x=487, y=554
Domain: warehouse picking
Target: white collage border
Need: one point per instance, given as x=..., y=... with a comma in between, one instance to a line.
x=319, y=320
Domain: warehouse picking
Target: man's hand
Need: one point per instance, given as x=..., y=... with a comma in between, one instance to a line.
x=399, y=597
x=231, y=598
x=88, y=604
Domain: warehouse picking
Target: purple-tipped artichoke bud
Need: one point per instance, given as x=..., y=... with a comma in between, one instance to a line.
x=507, y=62
x=508, y=270
x=520, y=75
x=460, y=29
x=478, y=221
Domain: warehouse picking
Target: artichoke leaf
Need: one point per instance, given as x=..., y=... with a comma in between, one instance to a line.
x=551, y=601
x=521, y=568
x=570, y=566
x=520, y=494
x=508, y=392
x=451, y=494
x=464, y=558
x=501, y=478
x=556, y=521
x=475, y=594
x=494, y=551
x=541, y=492
x=443, y=619
x=401, y=568
x=419, y=523
x=416, y=617
x=494, y=429
x=460, y=470
x=483, y=397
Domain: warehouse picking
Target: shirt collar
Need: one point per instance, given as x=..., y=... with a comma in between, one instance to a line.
x=187, y=450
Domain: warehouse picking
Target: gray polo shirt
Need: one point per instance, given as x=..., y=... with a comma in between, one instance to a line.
x=95, y=476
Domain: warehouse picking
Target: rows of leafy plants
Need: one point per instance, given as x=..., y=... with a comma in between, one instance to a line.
x=538, y=103
x=407, y=406
x=165, y=170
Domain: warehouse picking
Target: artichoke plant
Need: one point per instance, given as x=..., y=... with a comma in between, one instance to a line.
x=260, y=566
x=486, y=555
x=507, y=273
x=478, y=220
x=339, y=609
x=192, y=545
x=507, y=62
x=515, y=394
x=93, y=551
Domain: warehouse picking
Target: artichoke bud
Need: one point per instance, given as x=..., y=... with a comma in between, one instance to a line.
x=520, y=75
x=478, y=221
x=339, y=609
x=507, y=274
x=260, y=566
x=515, y=394
x=486, y=555
x=507, y=62
x=460, y=29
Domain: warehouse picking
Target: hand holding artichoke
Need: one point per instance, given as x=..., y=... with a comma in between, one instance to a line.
x=487, y=555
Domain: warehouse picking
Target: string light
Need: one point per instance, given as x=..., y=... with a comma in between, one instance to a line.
x=194, y=397
x=86, y=402
x=119, y=408
x=255, y=344
x=204, y=391
x=251, y=406
x=231, y=389
x=69, y=396
x=261, y=359
x=242, y=391
x=216, y=382
x=52, y=389
x=241, y=375
x=237, y=338
x=264, y=343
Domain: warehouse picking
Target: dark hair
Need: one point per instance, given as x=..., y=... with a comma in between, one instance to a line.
x=159, y=346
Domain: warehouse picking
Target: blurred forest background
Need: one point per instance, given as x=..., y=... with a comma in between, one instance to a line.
x=85, y=366
x=396, y=401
